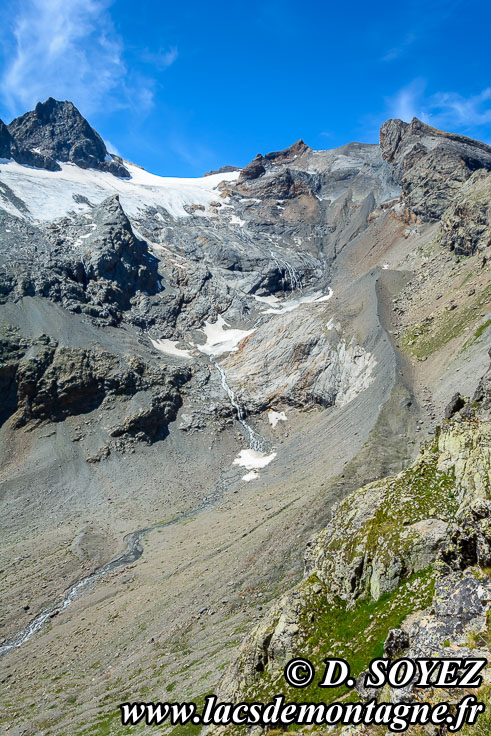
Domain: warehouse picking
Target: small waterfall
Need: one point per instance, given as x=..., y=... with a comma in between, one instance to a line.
x=256, y=442
x=287, y=268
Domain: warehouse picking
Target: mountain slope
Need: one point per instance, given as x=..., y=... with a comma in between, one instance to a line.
x=195, y=372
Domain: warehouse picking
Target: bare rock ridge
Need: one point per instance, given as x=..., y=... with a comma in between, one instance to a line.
x=56, y=131
x=96, y=267
x=223, y=170
x=431, y=165
x=261, y=163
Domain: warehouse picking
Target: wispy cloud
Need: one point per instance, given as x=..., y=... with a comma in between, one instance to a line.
x=160, y=59
x=406, y=103
x=69, y=49
x=449, y=110
x=111, y=147
x=197, y=155
x=396, y=51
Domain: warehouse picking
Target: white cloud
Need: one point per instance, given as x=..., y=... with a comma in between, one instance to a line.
x=449, y=110
x=406, y=103
x=111, y=148
x=161, y=59
x=67, y=49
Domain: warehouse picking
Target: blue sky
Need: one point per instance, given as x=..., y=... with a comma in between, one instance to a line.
x=184, y=87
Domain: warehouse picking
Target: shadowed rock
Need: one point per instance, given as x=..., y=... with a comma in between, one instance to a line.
x=58, y=130
x=10, y=149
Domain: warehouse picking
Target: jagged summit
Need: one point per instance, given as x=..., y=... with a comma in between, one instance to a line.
x=394, y=129
x=223, y=170
x=430, y=164
x=260, y=164
x=56, y=131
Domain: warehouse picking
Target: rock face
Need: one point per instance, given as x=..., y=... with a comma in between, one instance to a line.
x=59, y=132
x=6, y=141
x=44, y=382
x=93, y=265
x=10, y=149
x=261, y=163
x=308, y=365
x=466, y=224
x=431, y=165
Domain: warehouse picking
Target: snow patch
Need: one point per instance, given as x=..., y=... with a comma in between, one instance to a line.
x=251, y=459
x=252, y=475
x=169, y=348
x=235, y=220
x=220, y=340
x=276, y=416
x=288, y=306
x=270, y=299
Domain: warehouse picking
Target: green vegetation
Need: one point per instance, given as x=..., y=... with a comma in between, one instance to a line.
x=357, y=635
x=425, y=339
x=482, y=727
x=482, y=329
x=377, y=523
x=417, y=493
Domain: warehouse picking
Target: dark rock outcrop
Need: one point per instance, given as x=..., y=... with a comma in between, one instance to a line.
x=397, y=640
x=10, y=149
x=94, y=266
x=288, y=154
x=456, y=403
x=253, y=170
x=58, y=131
x=260, y=164
x=223, y=170
x=45, y=382
x=431, y=165
x=466, y=224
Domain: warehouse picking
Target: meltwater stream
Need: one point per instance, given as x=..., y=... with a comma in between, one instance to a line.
x=133, y=551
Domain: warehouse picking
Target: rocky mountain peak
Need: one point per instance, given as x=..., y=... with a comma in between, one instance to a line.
x=296, y=149
x=430, y=164
x=260, y=164
x=395, y=134
x=57, y=130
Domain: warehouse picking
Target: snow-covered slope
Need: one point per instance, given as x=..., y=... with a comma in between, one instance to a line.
x=45, y=195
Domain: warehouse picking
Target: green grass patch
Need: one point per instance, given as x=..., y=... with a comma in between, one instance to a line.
x=356, y=635
x=423, y=340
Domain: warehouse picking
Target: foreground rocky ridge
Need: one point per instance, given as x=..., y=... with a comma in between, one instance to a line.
x=405, y=558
